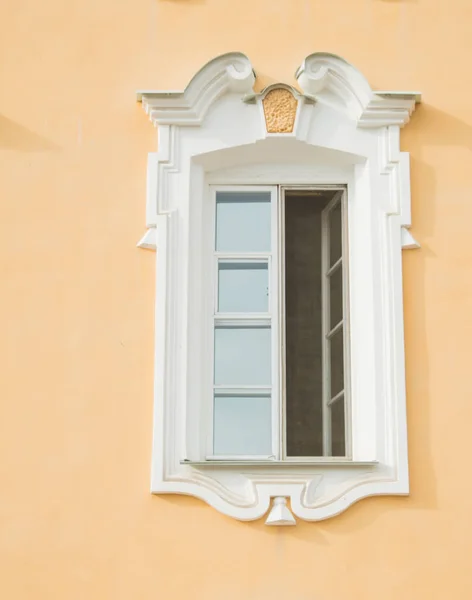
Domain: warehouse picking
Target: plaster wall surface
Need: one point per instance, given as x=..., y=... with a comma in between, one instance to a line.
x=76, y=345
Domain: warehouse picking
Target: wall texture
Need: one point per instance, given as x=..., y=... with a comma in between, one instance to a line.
x=76, y=518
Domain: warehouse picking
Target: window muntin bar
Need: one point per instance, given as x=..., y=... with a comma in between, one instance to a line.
x=332, y=332
x=335, y=267
x=335, y=398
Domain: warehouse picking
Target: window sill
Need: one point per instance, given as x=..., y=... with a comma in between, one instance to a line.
x=280, y=463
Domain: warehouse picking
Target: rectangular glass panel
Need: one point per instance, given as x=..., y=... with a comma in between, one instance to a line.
x=337, y=363
x=335, y=234
x=303, y=329
x=243, y=221
x=242, y=425
x=243, y=286
x=338, y=434
x=336, y=296
x=242, y=355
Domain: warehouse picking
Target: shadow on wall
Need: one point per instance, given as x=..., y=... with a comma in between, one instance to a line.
x=360, y=515
x=429, y=129
x=430, y=126
x=418, y=391
x=16, y=137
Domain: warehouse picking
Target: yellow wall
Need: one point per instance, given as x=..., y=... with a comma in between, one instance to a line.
x=76, y=345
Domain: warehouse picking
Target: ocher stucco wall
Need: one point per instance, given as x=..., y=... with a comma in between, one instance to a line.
x=76, y=341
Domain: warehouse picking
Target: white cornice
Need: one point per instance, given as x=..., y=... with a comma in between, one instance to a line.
x=230, y=72
x=322, y=76
x=332, y=80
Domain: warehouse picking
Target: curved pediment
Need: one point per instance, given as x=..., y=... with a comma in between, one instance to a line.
x=231, y=72
x=330, y=79
x=322, y=77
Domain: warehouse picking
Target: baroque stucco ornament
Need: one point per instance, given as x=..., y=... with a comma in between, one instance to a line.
x=337, y=130
x=280, y=109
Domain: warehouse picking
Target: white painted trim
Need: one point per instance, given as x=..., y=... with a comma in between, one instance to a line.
x=408, y=241
x=282, y=322
x=248, y=461
x=148, y=241
x=209, y=135
x=328, y=78
x=280, y=513
x=230, y=72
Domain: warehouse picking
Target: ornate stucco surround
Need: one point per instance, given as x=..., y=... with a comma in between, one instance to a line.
x=336, y=130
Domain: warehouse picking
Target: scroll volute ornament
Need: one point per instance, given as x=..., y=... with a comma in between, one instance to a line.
x=280, y=109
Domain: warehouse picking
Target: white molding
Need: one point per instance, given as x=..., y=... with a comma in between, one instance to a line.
x=408, y=241
x=280, y=513
x=214, y=133
x=148, y=241
x=328, y=78
x=230, y=72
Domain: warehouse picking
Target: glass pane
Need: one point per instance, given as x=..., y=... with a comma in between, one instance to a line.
x=336, y=296
x=243, y=221
x=335, y=234
x=243, y=287
x=303, y=328
x=337, y=363
x=242, y=425
x=338, y=441
x=242, y=355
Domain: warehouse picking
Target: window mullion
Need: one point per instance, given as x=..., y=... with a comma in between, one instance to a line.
x=276, y=330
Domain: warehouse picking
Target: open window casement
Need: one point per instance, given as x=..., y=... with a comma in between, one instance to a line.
x=279, y=220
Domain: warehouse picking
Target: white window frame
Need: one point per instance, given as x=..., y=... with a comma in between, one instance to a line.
x=272, y=317
x=328, y=331
x=214, y=133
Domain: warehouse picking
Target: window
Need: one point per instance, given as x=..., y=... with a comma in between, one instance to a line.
x=279, y=324
x=278, y=220
x=316, y=342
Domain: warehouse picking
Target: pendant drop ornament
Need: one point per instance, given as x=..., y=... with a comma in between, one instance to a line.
x=280, y=513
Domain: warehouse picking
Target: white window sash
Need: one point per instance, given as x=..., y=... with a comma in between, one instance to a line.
x=270, y=318
x=328, y=331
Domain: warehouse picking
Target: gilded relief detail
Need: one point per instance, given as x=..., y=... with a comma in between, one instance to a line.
x=280, y=108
